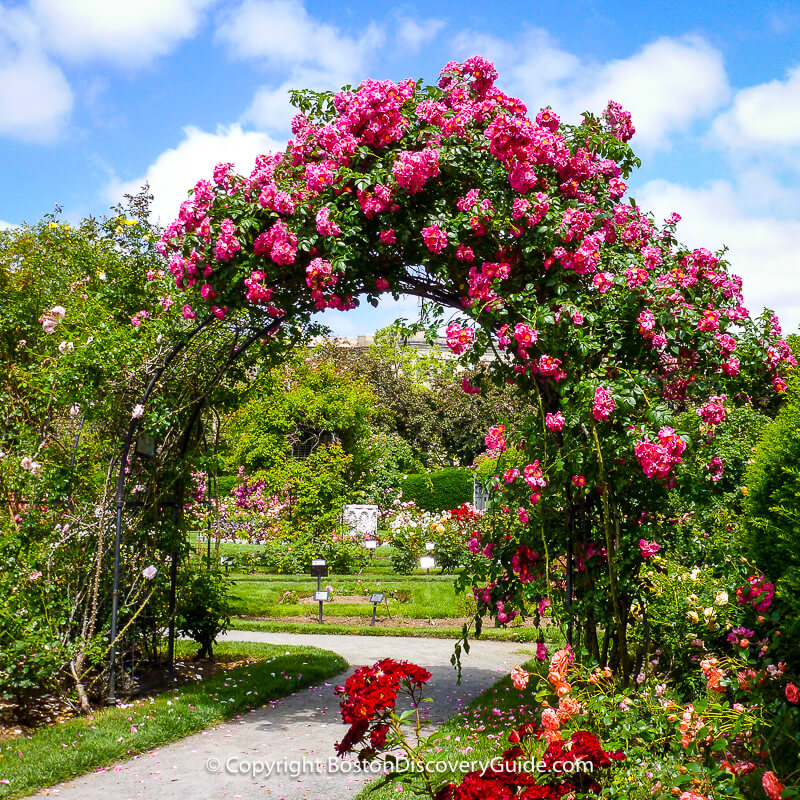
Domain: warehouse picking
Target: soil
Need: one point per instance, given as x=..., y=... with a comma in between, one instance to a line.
x=48, y=709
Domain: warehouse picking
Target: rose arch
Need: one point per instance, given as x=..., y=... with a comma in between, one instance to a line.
x=517, y=227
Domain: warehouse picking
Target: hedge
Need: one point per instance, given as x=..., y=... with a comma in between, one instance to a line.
x=439, y=491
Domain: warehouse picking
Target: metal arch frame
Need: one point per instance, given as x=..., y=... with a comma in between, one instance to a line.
x=133, y=426
x=412, y=284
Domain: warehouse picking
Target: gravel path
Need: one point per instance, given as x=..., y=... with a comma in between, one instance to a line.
x=299, y=731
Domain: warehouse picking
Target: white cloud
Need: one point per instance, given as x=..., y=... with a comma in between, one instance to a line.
x=6, y=226
x=282, y=33
x=311, y=54
x=763, y=116
x=413, y=34
x=270, y=109
x=35, y=97
x=762, y=249
x=666, y=86
x=177, y=170
x=130, y=33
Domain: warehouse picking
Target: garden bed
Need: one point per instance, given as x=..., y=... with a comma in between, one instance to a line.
x=48, y=709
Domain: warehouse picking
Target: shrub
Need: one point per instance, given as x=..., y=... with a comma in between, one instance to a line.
x=203, y=610
x=438, y=491
x=772, y=515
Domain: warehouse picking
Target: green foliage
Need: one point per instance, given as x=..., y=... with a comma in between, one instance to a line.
x=438, y=491
x=408, y=546
x=734, y=442
x=391, y=459
x=422, y=401
x=294, y=556
x=203, y=606
x=772, y=515
x=305, y=397
x=318, y=488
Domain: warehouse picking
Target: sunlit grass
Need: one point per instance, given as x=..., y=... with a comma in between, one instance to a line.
x=430, y=597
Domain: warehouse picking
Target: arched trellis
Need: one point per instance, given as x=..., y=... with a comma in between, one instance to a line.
x=454, y=195
x=242, y=335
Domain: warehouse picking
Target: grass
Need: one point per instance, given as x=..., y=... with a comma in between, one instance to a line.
x=429, y=632
x=475, y=734
x=60, y=752
x=431, y=597
x=432, y=609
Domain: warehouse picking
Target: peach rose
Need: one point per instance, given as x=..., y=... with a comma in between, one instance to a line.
x=772, y=786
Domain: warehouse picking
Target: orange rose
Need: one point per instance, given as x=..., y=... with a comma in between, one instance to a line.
x=568, y=707
x=550, y=719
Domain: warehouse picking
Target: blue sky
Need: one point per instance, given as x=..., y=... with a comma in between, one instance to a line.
x=97, y=96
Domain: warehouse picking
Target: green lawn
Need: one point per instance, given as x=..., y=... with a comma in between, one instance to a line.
x=60, y=752
x=429, y=597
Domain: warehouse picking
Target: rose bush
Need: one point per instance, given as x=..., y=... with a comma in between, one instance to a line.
x=598, y=314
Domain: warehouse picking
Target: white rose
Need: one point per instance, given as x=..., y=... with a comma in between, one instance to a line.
x=722, y=598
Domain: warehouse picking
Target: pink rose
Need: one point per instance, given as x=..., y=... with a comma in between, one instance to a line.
x=648, y=549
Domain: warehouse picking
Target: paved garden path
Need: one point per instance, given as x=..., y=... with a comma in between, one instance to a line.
x=301, y=728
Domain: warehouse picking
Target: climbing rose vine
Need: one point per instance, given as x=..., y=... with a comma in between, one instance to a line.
x=518, y=222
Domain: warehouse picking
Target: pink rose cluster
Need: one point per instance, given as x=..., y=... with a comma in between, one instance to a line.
x=715, y=468
x=532, y=475
x=758, y=592
x=619, y=121
x=256, y=291
x=49, y=320
x=713, y=412
x=435, y=238
x=488, y=598
x=459, y=339
x=603, y=404
x=325, y=225
x=555, y=422
x=227, y=243
x=496, y=438
x=376, y=202
x=373, y=113
x=648, y=549
x=481, y=284
x=278, y=243
x=659, y=457
x=412, y=170
x=525, y=563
